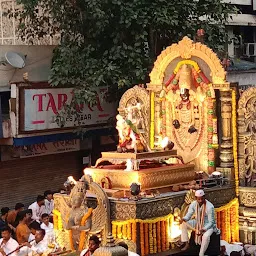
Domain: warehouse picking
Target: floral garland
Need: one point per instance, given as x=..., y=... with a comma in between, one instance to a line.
x=57, y=221
x=154, y=233
x=187, y=62
x=211, y=152
x=58, y=225
x=234, y=131
x=228, y=221
x=199, y=78
x=71, y=240
x=83, y=232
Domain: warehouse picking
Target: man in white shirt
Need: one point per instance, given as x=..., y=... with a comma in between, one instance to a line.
x=203, y=224
x=48, y=202
x=124, y=245
x=37, y=247
x=37, y=208
x=7, y=243
x=47, y=226
x=34, y=226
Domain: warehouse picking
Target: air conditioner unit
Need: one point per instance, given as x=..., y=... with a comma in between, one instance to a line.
x=250, y=49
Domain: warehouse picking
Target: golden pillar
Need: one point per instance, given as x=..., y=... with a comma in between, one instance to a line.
x=226, y=152
x=155, y=113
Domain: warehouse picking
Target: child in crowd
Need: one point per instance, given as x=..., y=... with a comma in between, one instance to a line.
x=48, y=227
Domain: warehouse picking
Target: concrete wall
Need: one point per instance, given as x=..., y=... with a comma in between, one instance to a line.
x=242, y=77
x=39, y=52
x=37, y=63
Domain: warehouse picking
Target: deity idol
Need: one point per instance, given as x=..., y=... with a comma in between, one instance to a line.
x=78, y=210
x=129, y=137
x=185, y=114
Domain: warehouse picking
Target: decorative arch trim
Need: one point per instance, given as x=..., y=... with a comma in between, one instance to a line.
x=185, y=49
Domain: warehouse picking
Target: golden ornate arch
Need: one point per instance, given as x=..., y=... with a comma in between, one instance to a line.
x=185, y=49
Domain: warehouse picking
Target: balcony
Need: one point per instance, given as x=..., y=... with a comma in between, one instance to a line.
x=239, y=2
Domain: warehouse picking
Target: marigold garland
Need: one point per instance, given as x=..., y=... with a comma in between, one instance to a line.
x=114, y=230
x=82, y=240
x=187, y=62
x=134, y=232
x=154, y=232
x=167, y=226
x=151, y=245
x=57, y=221
x=125, y=231
x=83, y=232
x=71, y=240
x=129, y=231
x=163, y=236
x=142, y=244
x=228, y=221
x=158, y=236
x=146, y=239
x=154, y=238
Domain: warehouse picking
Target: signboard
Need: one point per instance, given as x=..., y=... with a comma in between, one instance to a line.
x=43, y=110
x=11, y=152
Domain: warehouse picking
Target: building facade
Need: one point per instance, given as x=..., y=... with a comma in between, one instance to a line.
x=37, y=153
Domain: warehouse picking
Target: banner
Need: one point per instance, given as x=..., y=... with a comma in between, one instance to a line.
x=57, y=147
x=43, y=109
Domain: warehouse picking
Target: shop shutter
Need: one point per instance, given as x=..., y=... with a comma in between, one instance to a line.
x=22, y=180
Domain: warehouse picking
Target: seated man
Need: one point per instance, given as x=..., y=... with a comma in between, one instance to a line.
x=46, y=224
x=94, y=243
x=37, y=208
x=203, y=224
x=34, y=226
x=22, y=230
x=7, y=243
x=37, y=247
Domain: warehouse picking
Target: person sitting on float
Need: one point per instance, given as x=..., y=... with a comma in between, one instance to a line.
x=203, y=224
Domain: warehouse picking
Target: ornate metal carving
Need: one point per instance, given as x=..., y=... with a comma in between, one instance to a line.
x=247, y=137
x=163, y=205
x=247, y=196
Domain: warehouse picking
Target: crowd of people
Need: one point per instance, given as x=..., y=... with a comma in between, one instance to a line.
x=27, y=231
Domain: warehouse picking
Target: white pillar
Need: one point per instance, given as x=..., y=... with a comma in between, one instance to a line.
x=254, y=5
x=231, y=47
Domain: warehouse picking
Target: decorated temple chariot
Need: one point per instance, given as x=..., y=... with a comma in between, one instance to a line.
x=176, y=134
